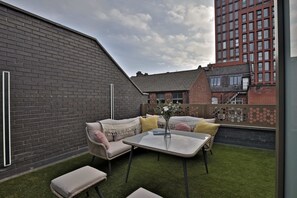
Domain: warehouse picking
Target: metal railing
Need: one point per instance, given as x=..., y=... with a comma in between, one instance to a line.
x=244, y=115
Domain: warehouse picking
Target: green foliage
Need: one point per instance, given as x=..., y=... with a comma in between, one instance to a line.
x=233, y=172
x=168, y=109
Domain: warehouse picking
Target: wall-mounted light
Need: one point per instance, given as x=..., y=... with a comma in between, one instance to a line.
x=6, y=118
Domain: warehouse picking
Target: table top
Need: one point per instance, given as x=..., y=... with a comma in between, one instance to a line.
x=181, y=143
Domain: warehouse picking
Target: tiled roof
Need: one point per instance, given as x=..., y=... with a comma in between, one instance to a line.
x=170, y=81
x=228, y=70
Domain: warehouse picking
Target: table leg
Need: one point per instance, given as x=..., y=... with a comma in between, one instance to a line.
x=130, y=160
x=186, y=177
x=205, y=159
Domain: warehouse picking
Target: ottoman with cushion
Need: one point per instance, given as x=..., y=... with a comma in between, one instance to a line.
x=77, y=181
x=143, y=193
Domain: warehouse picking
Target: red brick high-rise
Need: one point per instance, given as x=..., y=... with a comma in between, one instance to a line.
x=245, y=35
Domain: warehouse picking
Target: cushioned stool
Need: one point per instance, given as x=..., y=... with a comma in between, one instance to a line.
x=77, y=181
x=143, y=193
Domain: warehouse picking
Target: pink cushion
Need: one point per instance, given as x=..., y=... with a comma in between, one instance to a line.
x=182, y=127
x=101, y=138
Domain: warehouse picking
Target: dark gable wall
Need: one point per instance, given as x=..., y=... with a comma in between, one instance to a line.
x=59, y=80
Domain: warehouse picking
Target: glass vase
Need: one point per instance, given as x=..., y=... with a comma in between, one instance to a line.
x=167, y=133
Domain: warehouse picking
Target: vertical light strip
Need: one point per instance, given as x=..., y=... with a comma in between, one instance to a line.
x=6, y=118
x=111, y=101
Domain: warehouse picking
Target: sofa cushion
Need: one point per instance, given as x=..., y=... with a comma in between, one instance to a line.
x=149, y=123
x=101, y=138
x=92, y=128
x=182, y=127
x=121, y=128
x=117, y=148
x=206, y=127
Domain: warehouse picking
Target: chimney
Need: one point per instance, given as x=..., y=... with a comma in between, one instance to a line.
x=139, y=73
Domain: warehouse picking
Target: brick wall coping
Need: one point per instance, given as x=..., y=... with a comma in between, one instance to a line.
x=248, y=127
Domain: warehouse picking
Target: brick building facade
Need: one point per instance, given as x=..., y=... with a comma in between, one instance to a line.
x=60, y=79
x=188, y=87
x=245, y=33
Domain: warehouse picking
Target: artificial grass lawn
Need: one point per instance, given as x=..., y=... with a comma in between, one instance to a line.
x=233, y=172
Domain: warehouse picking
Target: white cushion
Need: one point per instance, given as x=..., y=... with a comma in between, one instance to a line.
x=74, y=182
x=143, y=193
x=117, y=148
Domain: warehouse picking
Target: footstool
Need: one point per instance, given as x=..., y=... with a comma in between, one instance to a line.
x=143, y=193
x=77, y=181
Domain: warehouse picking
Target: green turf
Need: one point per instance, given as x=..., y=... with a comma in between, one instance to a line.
x=234, y=172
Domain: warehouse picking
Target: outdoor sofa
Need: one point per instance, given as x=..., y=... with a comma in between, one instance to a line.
x=105, y=137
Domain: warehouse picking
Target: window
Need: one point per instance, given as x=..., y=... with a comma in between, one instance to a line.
x=266, y=12
x=219, y=55
x=219, y=37
x=266, y=44
x=243, y=18
x=236, y=33
x=251, y=16
x=266, y=34
x=230, y=7
x=224, y=45
x=260, y=67
x=223, y=9
x=224, y=19
x=224, y=27
x=266, y=55
x=259, y=45
x=235, y=80
x=224, y=36
x=260, y=56
x=243, y=3
x=244, y=38
x=231, y=25
x=215, y=81
x=253, y=67
x=231, y=34
x=267, y=66
x=231, y=52
x=259, y=14
x=244, y=58
x=230, y=16
x=231, y=43
x=237, y=53
x=251, y=2
x=259, y=25
x=236, y=24
x=177, y=97
x=244, y=27
x=251, y=26
x=224, y=54
x=260, y=77
x=252, y=57
x=251, y=36
x=251, y=47
x=274, y=76
x=160, y=98
x=244, y=47
x=259, y=35
x=214, y=100
x=267, y=77
x=266, y=23
x=236, y=6
x=236, y=42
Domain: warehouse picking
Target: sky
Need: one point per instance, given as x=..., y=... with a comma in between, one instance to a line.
x=151, y=36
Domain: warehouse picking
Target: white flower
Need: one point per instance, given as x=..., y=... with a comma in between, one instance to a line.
x=165, y=108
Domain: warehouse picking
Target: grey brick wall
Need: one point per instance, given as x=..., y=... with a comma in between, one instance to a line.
x=249, y=137
x=59, y=80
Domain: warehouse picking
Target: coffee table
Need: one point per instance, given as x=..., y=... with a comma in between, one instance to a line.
x=181, y=144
